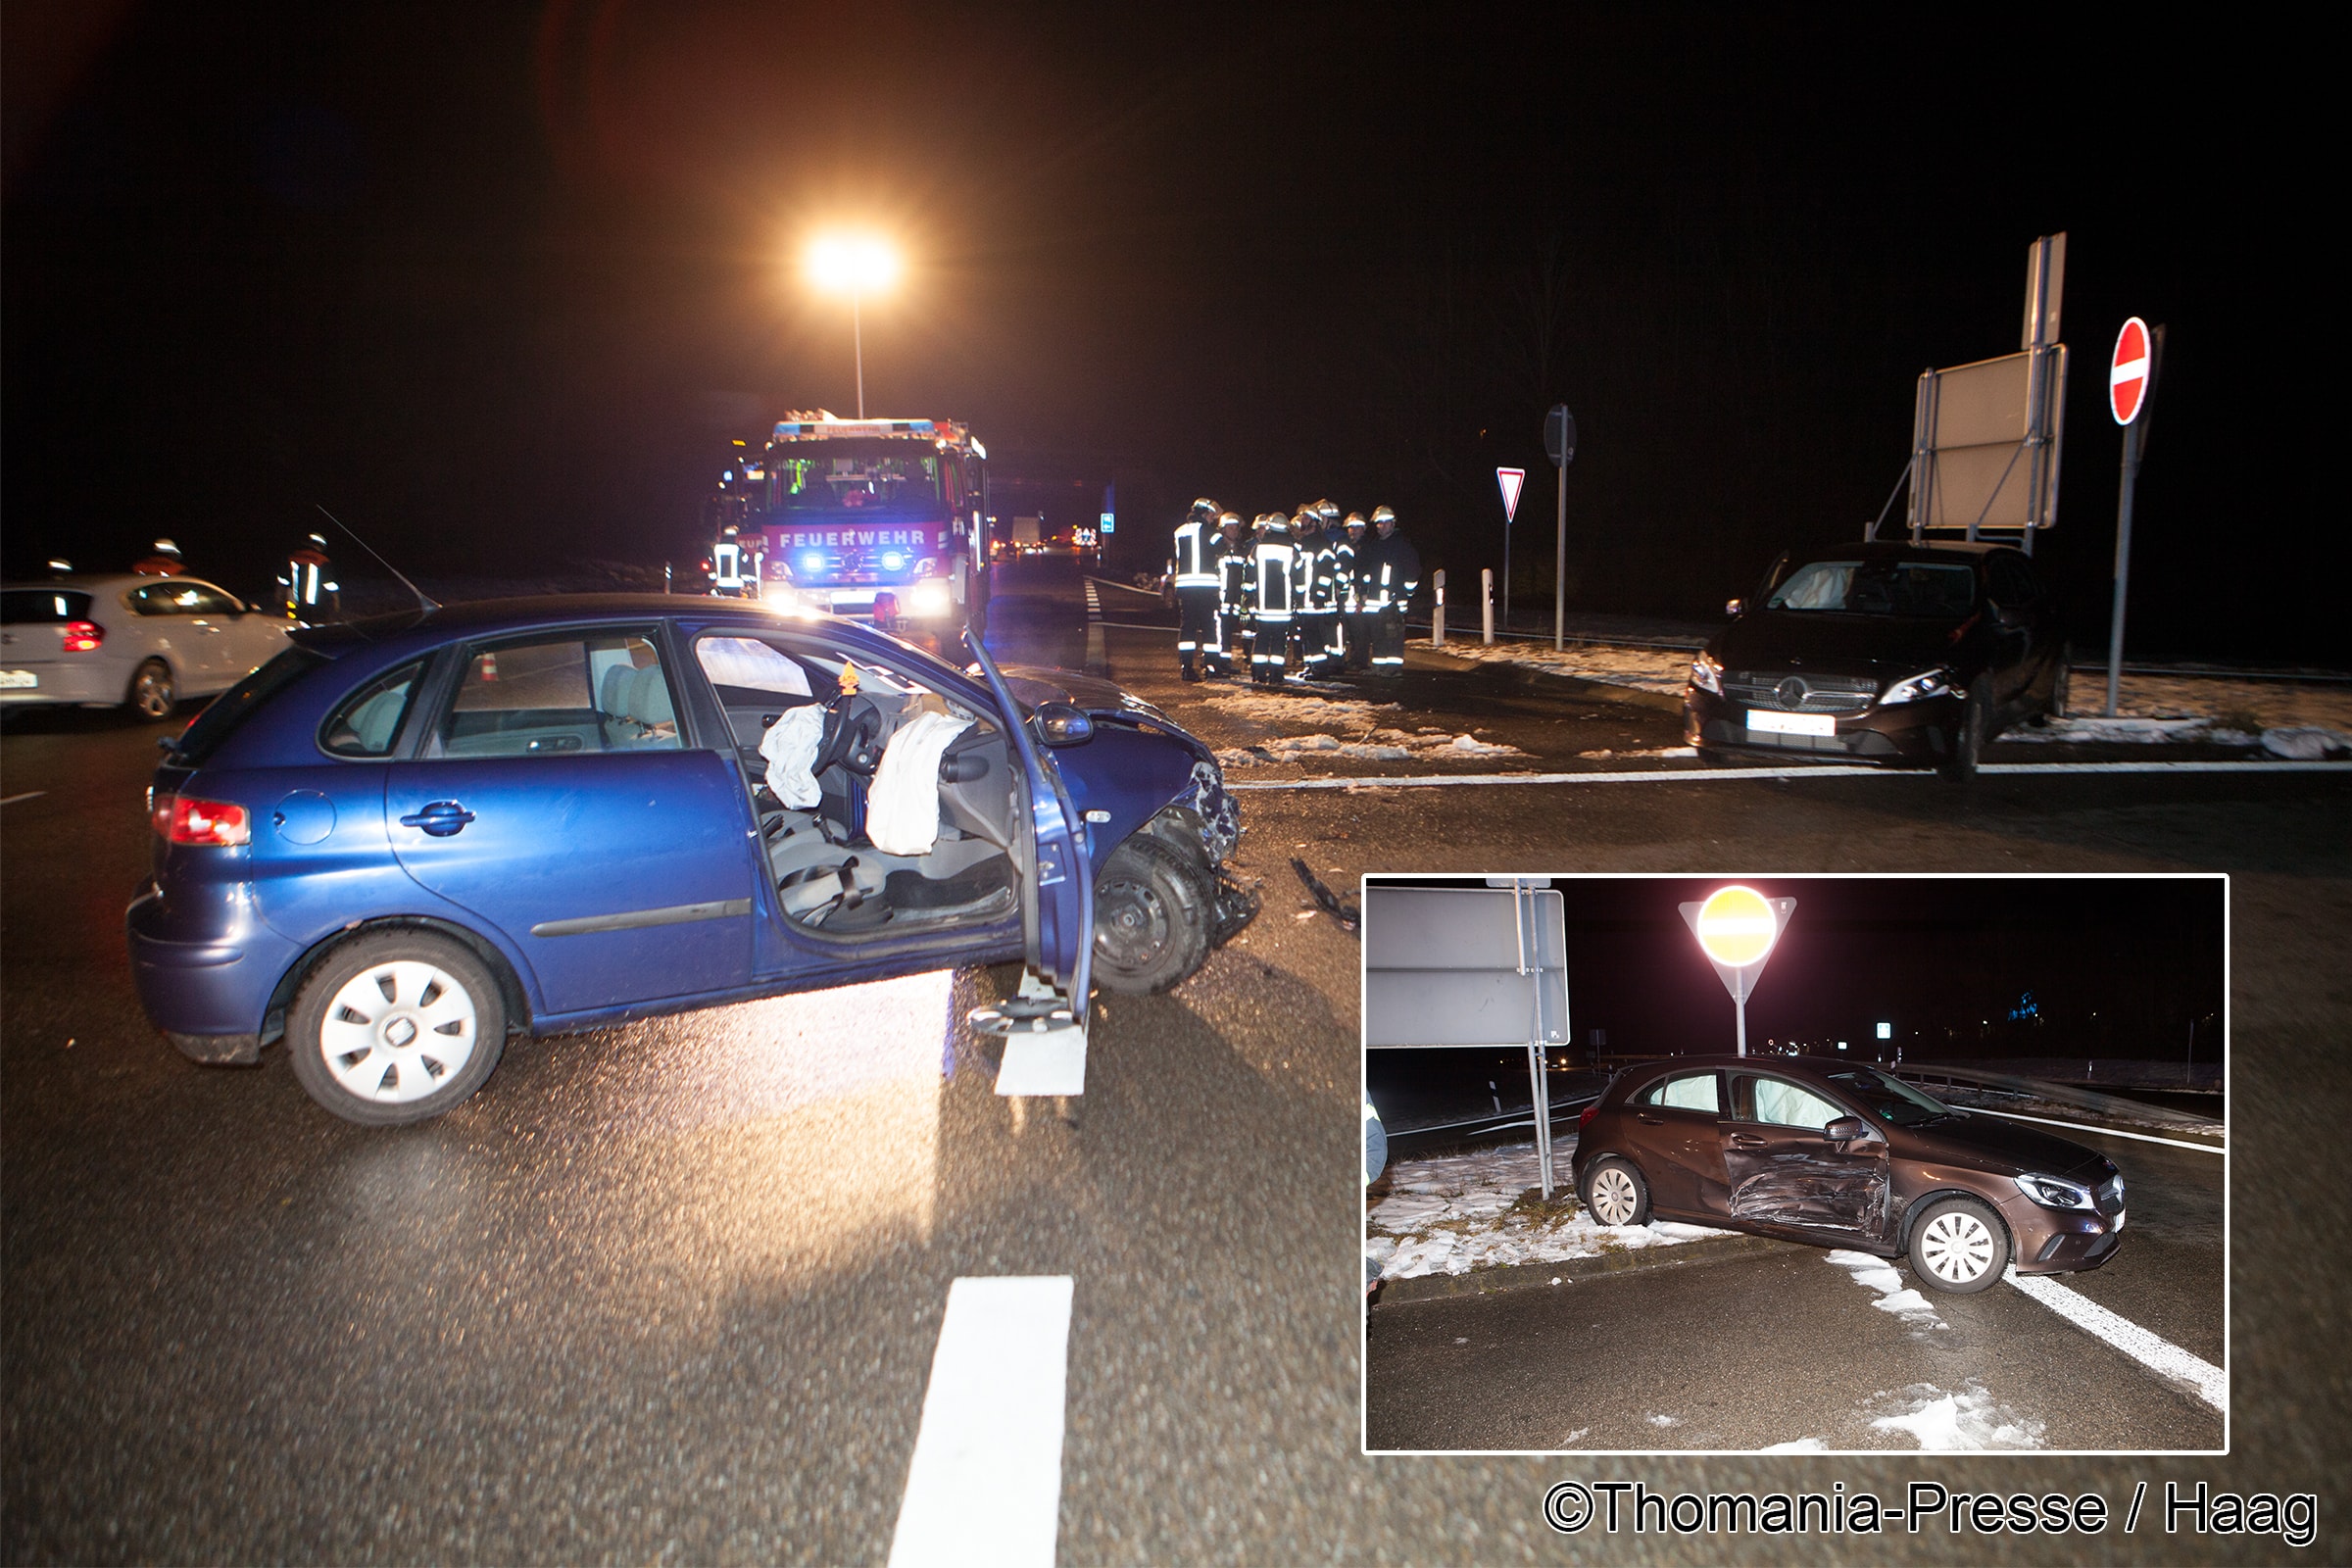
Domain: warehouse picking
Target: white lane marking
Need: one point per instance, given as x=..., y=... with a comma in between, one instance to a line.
x=1136, y=626
x=2149, y=1350
x=985, y=1483
x=2280, y=766
x=1697, y=775
x=1050, y=1063
x=2108, y=1132
x=26, y=795
x=1125, y=587
x=1656, y=775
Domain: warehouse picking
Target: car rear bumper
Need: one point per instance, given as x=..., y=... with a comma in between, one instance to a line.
x=209, y=991
x=64, y=684
x=1904, y=733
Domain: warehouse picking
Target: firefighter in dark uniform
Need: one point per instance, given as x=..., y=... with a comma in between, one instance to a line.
x=308, y=590
x=1233, y=553
x=1394, y=572
x=1319, y=628
x=1191, y=569
x=1273, y=576
x=1353, y=553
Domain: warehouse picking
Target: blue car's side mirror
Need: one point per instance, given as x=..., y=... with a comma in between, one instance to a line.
x=1060, y=724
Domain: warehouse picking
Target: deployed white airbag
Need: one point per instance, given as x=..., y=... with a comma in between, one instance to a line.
x=790, y=747
x=902, y=809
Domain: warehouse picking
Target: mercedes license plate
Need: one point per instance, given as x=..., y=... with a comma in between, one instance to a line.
x=13, y=679
x=1792, y=723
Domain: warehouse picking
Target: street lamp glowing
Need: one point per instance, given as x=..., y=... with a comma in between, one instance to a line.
x=855, y=264
x=852, y=264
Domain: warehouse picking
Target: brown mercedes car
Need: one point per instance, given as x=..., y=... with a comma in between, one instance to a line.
x=1845, y=1155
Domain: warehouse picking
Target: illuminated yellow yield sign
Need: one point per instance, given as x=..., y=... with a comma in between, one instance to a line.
x=1735, y=928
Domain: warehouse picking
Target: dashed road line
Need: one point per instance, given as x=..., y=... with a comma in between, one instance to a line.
x=2151, y=1350
x=985, y=1483
x=2105, y=1132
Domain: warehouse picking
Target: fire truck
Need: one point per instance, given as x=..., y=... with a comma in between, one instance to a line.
x=877, y=520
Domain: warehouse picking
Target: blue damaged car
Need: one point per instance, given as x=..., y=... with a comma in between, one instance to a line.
x=403, y=839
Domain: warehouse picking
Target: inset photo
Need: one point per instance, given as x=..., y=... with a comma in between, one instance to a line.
x=1796, y=1164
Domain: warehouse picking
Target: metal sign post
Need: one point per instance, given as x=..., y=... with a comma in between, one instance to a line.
x=1737, y=929
x=1474, y=967
x=2130, y=386
x=1560, y=443
x=1510, y=479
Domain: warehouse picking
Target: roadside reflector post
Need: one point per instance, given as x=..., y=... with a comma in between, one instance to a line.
x=1737, y=929
x=1486, y=603
x=1437, y=616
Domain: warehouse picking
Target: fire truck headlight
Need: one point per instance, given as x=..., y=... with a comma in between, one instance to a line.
x=929, y=598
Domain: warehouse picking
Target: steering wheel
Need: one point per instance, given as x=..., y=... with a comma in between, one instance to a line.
x=853, y=737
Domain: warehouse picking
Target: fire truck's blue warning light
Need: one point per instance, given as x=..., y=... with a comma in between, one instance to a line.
x=894, y=560
x=812, y=562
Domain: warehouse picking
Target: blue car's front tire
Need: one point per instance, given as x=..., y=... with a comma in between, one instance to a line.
x=1152, y=914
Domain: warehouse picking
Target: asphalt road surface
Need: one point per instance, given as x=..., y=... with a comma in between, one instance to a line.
x=672, y=1291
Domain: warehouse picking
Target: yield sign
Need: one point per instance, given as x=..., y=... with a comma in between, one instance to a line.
x=2127, y=371
x=1510, y=479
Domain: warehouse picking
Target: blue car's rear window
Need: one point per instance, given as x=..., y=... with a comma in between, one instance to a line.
x=233, y=706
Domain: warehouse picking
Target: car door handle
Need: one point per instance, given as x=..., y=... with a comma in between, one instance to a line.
x=441, y=818
x=1746, y=1141
x=1648, y=1119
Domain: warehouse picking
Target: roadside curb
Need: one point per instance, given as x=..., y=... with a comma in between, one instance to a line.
x=1523, y=677
x=1570, y=1271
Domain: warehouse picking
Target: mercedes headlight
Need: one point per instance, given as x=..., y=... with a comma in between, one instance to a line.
x=1706, y=673
x=2051, y=1193
x=1919, y=688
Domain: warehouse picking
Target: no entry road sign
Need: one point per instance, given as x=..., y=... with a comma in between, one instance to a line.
x=2127, y=371
x=1510, y=479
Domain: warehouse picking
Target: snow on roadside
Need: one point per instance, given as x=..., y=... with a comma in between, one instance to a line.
x=1381, y=745
x=1879, y=1274
x=1455, y=1214
x=1957, y=1422
x=2282, y=717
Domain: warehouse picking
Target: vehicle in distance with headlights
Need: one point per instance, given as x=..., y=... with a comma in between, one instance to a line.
x=1845, y=1155
x=1890, y=653
x=406, y=837
x=138, y=643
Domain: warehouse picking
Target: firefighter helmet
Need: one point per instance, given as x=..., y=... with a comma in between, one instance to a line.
x=1229, y=519
x=1327, y=507
x=1356, y=520
x=1383, y=514
x=1204, y=508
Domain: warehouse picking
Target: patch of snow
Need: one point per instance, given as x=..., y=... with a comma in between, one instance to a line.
x=1665, y=1420
x=1959, y=1422
x=1380, y=746
x=1800, y=1446
x=2305, y=742
x=1455, y=1214
x=1880, y=1275
x=1574, y=1436
x=1648, y=670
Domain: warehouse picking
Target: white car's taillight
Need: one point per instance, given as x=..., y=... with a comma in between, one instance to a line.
x=83, y=636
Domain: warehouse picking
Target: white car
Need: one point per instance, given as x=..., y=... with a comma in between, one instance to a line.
x=140, y=643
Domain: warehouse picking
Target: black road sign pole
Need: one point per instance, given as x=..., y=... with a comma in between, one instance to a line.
x=1560, y=442
x=2135, y=440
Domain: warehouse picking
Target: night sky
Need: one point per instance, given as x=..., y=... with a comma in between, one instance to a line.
x=2116, y=967
x=496, y=283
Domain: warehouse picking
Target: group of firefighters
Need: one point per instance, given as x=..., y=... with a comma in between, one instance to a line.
x=1311, y=595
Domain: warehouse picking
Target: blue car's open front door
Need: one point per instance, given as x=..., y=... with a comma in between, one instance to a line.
x=1058, y=897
